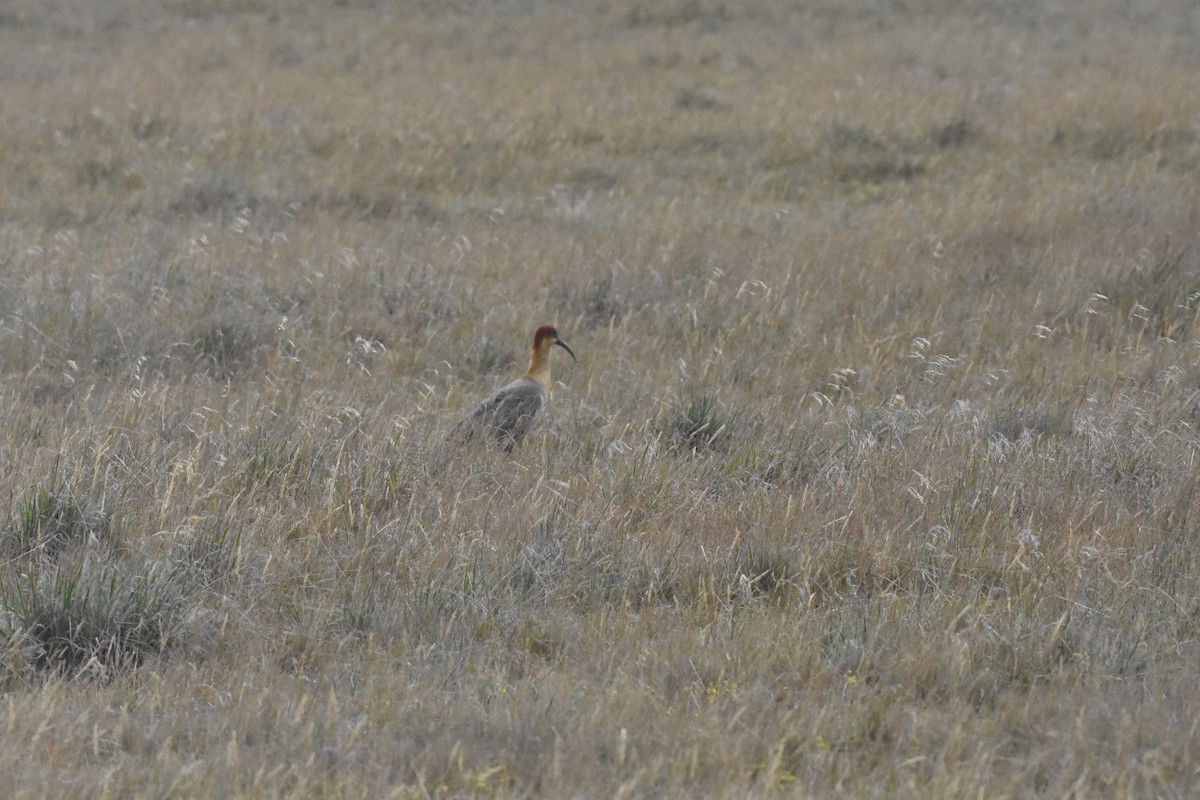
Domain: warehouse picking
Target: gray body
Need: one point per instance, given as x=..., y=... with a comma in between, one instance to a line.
x=506, y=415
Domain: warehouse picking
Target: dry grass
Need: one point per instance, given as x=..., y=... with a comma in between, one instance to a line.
x=877, y=476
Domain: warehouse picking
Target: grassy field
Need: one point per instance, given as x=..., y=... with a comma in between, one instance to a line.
x=877, y=475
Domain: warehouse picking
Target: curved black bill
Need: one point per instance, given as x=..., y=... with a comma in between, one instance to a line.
x=563, y=345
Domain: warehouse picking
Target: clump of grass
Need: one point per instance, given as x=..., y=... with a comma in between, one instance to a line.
x=600, y=302
x=490, y=355
x=74, y=603
x=699, y=424
x=227, y=345
x=954, y=133
x=1159, y=297
x=788, y=458
x=1048, y=420
x=50, y=522
x=90, y=620
x=273, y=459
x=855, y=155
x=217, y=191
x=760, y=571
x=211, y=554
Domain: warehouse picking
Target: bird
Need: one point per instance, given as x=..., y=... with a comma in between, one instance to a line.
x=506, y=415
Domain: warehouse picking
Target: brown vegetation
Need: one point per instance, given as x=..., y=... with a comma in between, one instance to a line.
x=876, y=476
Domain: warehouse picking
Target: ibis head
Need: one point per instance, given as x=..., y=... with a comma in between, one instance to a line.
x=544, y=338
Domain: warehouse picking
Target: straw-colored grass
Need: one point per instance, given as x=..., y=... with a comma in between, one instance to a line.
x=877, y=475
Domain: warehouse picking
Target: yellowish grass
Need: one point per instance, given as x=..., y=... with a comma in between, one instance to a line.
x=875, y=478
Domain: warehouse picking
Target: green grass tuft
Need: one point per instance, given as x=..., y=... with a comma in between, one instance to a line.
x=50, y=522
x=699, y=424
x=95, y=621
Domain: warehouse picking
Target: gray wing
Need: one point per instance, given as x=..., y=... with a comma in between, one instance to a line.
x=506, y=414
